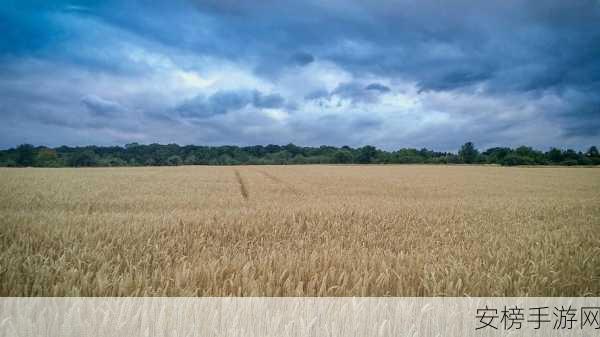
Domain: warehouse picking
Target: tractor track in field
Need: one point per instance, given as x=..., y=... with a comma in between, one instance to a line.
x=243, y=187
x=289, y=187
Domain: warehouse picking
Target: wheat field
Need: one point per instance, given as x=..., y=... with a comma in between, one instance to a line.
x=300, y=231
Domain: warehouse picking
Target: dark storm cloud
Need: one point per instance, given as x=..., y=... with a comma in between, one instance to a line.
x=363, y=123
x=336, y=130
x=26, y=26
x=517, y=45
x=377, y=87
x=534, y=52
x=355, y=92
x=216, y=104
x=317, y=94
x=491, y=42
x=588, y=111
x=582, y=129
x=101, y=107
x=302, y=58
x=223, y=102
x=271, y=101
x=352, y=91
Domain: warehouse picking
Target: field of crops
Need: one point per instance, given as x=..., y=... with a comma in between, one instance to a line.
x=300, y=231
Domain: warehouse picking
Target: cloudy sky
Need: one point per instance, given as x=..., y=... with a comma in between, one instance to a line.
x=391, y=73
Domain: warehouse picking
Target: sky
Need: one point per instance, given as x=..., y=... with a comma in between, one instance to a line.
x=389, y=73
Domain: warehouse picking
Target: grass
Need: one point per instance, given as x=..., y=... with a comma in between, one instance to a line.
x=300, y=231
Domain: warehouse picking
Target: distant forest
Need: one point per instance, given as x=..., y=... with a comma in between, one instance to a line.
x=172, y=155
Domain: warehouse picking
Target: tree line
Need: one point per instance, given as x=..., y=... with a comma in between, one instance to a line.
x=135, y=154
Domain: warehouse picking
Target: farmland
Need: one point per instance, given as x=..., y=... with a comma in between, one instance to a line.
x=413, y=230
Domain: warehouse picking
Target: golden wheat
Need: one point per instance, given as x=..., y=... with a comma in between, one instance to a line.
x=300, y=231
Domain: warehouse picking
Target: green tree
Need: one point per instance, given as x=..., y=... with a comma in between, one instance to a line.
x=298, y=159
x=174, y=160
x=514, y=159
x=468, y=153
x=592, y=152
x=190, y=160
x=525, y=151
x=569, y=162
x=46, y=158
x=112, y=161
x=280, y=157
x=84, y=158
x=555, y=155
x=156, y=154
x=293, y=149
x=571, y=155
x=495, y=155
x=366, y=154
x=342, y=157
x=25, y=155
